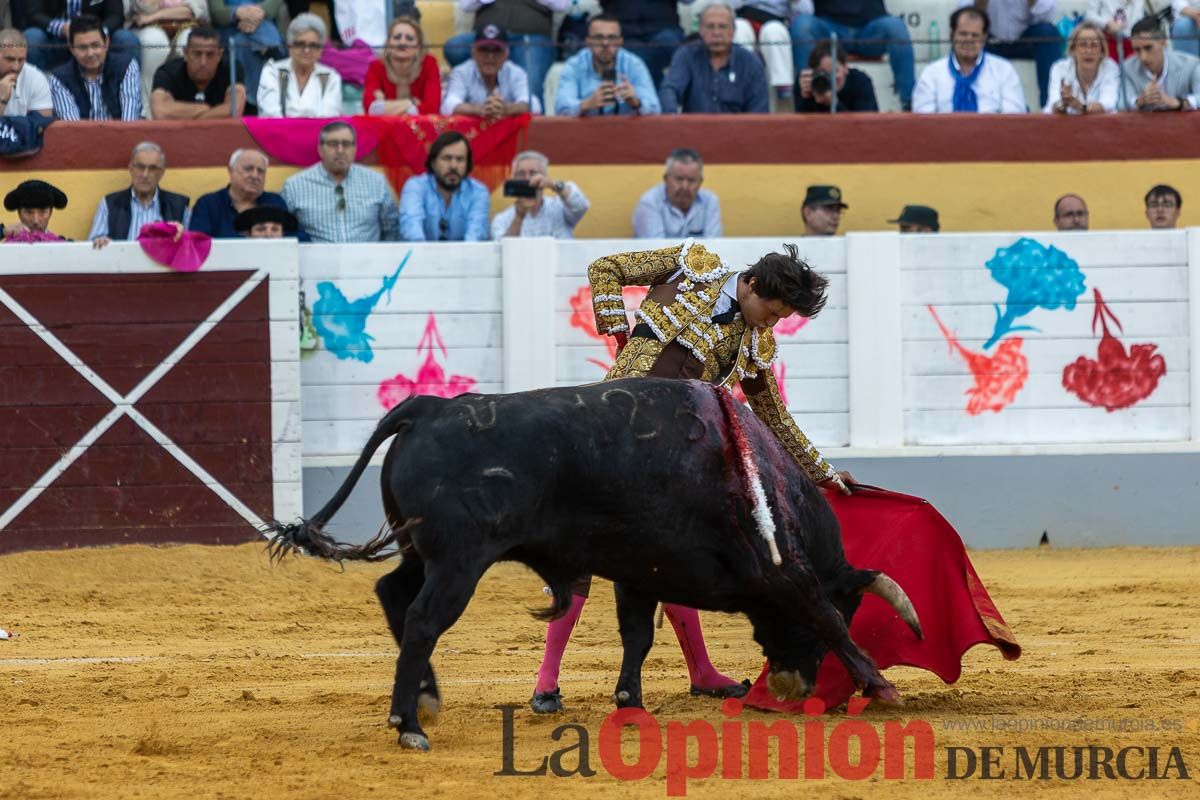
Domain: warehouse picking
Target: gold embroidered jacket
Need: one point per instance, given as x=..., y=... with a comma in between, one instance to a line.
x=679, y=313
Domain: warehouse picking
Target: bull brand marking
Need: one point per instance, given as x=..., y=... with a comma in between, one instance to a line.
x=738, y=744
x=476, y=425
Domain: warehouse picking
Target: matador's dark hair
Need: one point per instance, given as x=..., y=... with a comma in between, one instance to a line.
x=787, y=277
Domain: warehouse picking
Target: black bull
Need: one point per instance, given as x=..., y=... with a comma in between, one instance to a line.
x=640, y=481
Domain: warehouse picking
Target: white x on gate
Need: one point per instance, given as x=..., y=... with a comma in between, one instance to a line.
x=123, y=405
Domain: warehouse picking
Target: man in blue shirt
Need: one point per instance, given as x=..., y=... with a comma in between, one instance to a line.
x=605, y=78
x=714, y=75
x=678, y=208
x=444, y=204
x=214, y=212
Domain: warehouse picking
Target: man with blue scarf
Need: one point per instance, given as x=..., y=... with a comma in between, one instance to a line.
x=969, y=80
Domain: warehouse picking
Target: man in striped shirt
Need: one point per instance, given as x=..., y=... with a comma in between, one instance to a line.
x=122, y=214
x=96, y=84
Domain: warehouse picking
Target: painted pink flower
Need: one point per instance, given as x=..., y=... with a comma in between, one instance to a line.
x=998, y=378
x=431, y=377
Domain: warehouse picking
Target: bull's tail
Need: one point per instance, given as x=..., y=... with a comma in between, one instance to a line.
x=307, y=535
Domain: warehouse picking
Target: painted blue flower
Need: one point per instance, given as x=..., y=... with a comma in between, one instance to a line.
x=1036, y=277
x=342, y=323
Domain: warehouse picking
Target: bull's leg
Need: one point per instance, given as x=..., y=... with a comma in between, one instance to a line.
x=804, y=592
x=396, y=592
x=635, y=618
x=438, y=605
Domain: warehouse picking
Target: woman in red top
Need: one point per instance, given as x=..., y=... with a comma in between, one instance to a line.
x=406, y=79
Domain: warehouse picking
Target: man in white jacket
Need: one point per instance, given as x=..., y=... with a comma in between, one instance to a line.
x=969, y=80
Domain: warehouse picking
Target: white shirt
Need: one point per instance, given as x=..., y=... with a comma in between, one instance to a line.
x=557, y=218
x=1103, y=12
x=1104, y=89
x=32, y=93
x=1010, y=18
x=997, y=89
x=322, y=97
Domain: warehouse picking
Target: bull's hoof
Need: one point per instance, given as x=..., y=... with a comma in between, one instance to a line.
x=887, y=696
x=625, y=699
x=547, y=702
x=722, y=692
x=394, y=722
x=414, y=741
x=788, y=684
x=429, y=704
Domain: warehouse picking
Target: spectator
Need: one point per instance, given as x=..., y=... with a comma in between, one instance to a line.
x=49, y=22
x=865, y=29
x=488, y=85
x=1185, y=31
x=555, y=216
x=605, y=78
x=405, y=79
x=762, y=27
x=529, y=25
x=197, y=85
x=917, y=219
x=822, y=210
x=34, y=201
x=714, y=75
x=678, y=207
x=855, y=92
x=122, y=214
x=287, y=87
x=445, y=204
x=157, y=25
x=1155, y=80
x=214, y=212
x=266, y=222
x=651, y=30
x=96, y=84
x=338, y=200
x=1024, y=29
x=23, y=87
x=1117, y=17
x=1070, y=213
x=968, y=80
x=1163, y=206
x=248, y=29
x=1085, y=82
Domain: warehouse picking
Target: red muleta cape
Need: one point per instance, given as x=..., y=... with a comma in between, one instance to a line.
x=906, y=538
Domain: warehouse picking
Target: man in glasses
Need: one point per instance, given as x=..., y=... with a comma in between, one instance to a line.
x=605, y=78
x=678, y=208
x=1070, y=213
x=122, y=214
x=444, y=204
x=1163, y=206
x=488, y=85
x=340, y=201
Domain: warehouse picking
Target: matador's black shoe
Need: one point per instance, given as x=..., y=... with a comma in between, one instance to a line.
x=723, y=692
x=549, y=702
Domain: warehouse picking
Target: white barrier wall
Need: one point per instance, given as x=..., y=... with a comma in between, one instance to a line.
x=874, y=373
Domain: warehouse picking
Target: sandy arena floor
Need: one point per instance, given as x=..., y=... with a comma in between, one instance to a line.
x=193, y=672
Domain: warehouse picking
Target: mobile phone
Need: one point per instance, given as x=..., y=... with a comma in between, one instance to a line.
x=609, y=75
x=519, y=188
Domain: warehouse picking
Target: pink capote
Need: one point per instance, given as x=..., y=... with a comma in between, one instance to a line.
x=906, y=538
x=183, y=255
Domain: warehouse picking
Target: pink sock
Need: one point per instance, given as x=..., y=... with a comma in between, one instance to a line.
x=558, y=633
x=686, y=622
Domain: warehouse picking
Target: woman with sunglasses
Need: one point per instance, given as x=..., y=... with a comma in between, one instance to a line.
x=297, y=86
x=405, y=79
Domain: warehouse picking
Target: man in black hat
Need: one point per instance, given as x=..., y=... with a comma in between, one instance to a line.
x=822, y=210
x=917, y=219
x=266, y=222
x=34, y=201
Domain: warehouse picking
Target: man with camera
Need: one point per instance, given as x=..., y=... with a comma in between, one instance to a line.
x=815, y=86
x=604, y=78
x=531, y=214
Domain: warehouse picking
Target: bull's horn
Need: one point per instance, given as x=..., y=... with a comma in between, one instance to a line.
x=889, y=590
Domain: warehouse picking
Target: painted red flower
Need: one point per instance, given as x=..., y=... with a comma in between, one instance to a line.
x=431, y=378
x=1116, y=378
x=584, y=318
x=998, y=378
